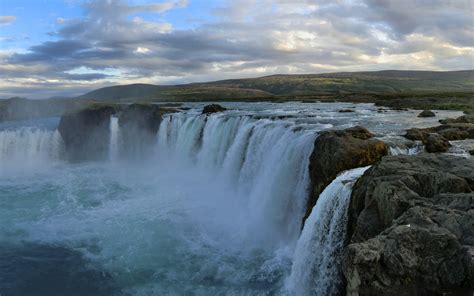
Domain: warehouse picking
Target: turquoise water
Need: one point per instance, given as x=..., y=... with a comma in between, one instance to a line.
x=215, y=209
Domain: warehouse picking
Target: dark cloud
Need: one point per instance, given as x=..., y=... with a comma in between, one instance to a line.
x=248, y=38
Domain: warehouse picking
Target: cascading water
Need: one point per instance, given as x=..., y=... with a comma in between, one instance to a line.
x=29, y=145
x=265, y=161
x=316, y=266
x=214, y=209
x=114, y=138
x=406, y=150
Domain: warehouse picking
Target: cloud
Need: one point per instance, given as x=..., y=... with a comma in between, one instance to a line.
x=244, y=38
x=7, y=19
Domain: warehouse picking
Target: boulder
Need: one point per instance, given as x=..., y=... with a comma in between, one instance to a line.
x=337, y=151
x=86, y=133
x=436, y=139
x=435, y=143
x=427, y=113
x=213, y=108
x=471, y=151
x=345, y=111
x=411, y=227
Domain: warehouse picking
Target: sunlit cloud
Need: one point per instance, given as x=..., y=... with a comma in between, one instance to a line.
x=246, y=38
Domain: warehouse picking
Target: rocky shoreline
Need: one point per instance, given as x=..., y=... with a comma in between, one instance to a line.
x=411, y=222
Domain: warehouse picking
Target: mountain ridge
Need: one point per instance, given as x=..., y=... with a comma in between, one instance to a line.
x=364, y=82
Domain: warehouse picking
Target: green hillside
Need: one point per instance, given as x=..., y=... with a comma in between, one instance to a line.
x=381, y=82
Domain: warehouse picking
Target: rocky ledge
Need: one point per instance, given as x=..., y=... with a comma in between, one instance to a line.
x=436, y=139
x=86, y=133
x=139, y=124
x=411, y=228
x=337, y=151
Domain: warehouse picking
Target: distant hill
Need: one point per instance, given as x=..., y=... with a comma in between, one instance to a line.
x=379, y=82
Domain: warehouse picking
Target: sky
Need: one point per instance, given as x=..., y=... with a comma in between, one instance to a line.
x=68, y=47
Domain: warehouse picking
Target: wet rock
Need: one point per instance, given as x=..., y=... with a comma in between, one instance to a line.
x=213, y=108
x=471, y=151
x=468, y=118
x=436, y=139
x=337, y=151
x=435, y=143
x=427, y=113
x=86, y=133
x=345, y=111
x=411, y=226
x=139, y=124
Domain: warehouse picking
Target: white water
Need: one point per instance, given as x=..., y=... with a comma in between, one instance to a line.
x=316, y=268
x=252, y=157
x=215, y=210
x=28, y=146
x=406, y=150
x=114, y=139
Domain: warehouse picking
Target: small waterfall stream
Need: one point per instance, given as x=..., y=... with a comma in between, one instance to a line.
x=316, y=266
x=114, y=139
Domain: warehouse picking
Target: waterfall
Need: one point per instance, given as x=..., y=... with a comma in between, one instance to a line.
x=316, y=266
x=114, y=138
x=27, y=145
x=265, y=162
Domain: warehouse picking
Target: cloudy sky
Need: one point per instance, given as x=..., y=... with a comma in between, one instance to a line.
x=68, y=47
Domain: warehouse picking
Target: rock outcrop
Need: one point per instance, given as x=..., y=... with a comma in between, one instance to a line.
x=411, y=228
x=467, y=118
x=435, y=143
x=213, y=108
x=139, y=124
x=86, y=133
x=436, y=139
x=337, y=151
x=427, y=113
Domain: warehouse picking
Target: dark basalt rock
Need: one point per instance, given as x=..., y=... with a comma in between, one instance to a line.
x=213, y=108
x=435, y=143
x=411, y=227
x=468, y=118
x=337, y=151
x=427, y=113
x=86, y=133
x=139, y=124
x=436, y=139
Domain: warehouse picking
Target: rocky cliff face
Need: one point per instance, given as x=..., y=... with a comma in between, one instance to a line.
x=411, y=228
x=86, y=133
x=337, y=151
x=139, y=124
